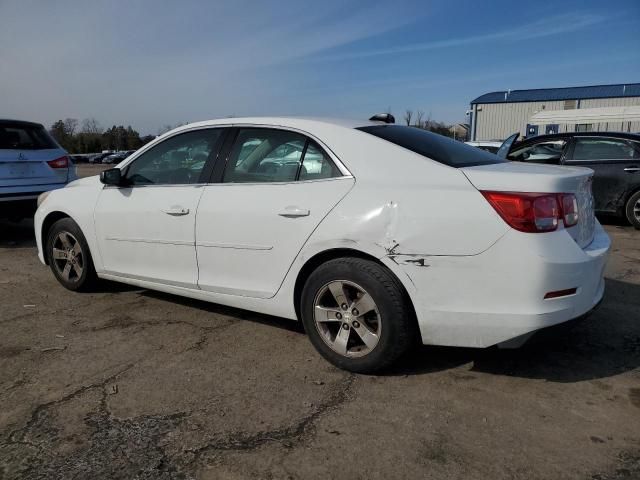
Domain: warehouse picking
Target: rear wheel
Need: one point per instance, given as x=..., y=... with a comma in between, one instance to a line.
x=357, y=315
x=69, y=256
x=633, y=210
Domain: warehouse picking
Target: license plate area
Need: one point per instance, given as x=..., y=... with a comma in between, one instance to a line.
x=17, y=170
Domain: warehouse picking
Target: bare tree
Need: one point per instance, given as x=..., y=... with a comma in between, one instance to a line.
x=408, y=114
x=419, y=115
x=91, y=125
x=428, y=122
x=70, y=125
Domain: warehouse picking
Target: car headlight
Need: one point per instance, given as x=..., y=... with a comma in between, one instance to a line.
x=42, y=197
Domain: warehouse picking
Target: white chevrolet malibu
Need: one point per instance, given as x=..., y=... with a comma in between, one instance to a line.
x=376, y=236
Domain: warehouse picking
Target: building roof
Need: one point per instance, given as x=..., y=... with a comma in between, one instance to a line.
x=565, y=93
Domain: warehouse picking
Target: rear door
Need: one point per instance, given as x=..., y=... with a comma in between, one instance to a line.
x=29, y=157
x=271, y=191
x=616, y=163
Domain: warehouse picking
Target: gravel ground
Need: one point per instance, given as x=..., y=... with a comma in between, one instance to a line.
x=128, y=383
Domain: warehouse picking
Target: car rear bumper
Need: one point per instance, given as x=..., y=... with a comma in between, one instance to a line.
x=26, y=192
x=498, y=295
x=17, y=202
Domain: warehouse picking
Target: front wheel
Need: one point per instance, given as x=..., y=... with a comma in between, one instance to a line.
x=69, y=256
x=633, y=210
x=357, y=315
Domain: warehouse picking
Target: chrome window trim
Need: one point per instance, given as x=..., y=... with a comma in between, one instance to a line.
x=334, y=158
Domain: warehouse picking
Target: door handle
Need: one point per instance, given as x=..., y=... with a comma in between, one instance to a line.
x=292, y=212
x=632, y=169
x=176, y=211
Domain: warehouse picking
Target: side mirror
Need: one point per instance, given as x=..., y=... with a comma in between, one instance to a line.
x=113, y=176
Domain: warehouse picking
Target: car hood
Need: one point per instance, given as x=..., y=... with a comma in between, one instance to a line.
x=84, y=182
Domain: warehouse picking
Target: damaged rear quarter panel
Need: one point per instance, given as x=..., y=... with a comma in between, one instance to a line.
x=445, y=215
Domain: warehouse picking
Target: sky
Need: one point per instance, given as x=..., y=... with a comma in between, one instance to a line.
x=149, y=64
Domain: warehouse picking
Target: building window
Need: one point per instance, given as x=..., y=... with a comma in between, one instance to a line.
x=570, y=104
x=584, y=127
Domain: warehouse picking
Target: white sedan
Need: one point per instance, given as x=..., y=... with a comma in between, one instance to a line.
x=376, y=236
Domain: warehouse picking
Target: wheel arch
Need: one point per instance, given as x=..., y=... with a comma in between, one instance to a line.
x=47, y=223
x=627, y=198
x=331, y=254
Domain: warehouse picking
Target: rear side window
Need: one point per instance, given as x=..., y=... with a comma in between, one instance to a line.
x=434, y=146
x=262, y=155
x=602, y=149
x=19, y=136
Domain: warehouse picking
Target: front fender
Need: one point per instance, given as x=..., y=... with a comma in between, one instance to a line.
x=76, y=201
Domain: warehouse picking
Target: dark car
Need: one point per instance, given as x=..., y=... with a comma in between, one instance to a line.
x=117, y=157
x=99, y=157
x=614, y=157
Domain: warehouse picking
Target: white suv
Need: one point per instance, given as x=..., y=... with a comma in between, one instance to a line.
x=31, y=162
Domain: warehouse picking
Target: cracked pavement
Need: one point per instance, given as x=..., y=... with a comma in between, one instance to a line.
x=127, y=383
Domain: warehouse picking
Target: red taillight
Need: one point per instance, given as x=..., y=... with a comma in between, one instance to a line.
x=62, y=162
x=534, y=212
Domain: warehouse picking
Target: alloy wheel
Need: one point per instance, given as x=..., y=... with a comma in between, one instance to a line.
x=67, y=257
x=347, y=318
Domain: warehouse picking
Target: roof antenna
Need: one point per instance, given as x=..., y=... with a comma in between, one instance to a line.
x=383, y=117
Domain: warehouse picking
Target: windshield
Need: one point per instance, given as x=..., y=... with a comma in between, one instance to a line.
x=431, y=145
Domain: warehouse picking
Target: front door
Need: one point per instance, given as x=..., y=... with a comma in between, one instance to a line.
x=276, y=188
x=146, y=226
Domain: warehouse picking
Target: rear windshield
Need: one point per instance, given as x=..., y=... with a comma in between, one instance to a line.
x=17, y=136
x=434, y=146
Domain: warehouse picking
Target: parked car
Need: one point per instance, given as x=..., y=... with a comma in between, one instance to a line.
x=445, y=245
x=490, y=146
x=117, y=157
x=614, y=157
x=31, y=162
x=99, y=157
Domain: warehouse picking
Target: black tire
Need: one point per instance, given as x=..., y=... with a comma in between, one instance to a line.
x=398, y=331
x=87, y=280
x=633, y=204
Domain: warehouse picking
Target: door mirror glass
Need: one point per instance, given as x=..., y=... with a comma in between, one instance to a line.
x=113, y=176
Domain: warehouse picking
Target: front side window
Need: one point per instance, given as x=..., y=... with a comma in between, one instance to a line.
x=178, y=160
x=543, y=152
x=261, y=155
x=602, y=149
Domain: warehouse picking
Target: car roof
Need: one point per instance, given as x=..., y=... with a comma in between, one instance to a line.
x=291, y=122
x=24, y=123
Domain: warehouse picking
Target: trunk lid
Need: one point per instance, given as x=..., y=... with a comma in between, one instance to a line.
x=29, y=167
x=536, y=178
